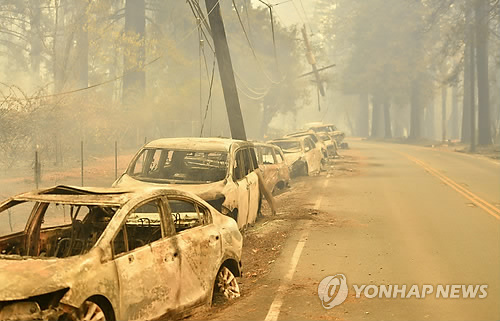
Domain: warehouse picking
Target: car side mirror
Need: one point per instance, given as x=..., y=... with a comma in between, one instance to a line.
x=105, y=254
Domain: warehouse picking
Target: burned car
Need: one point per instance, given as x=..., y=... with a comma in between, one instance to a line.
x=301, y=155
x=318, y=142
x=330, y=143
x=329, y=128
x=220, y=171
x=272, y=163
x=106, y=254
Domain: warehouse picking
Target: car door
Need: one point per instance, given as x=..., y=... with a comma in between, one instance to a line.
x=283, y=171
x=198, y=246
x=148, y=278
x=312, y=155
x=242, y=186
x=271, y=170
x=253, y=185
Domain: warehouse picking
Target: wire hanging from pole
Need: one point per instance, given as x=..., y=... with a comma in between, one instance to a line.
x=252, y=49
x=209, y=98
x=200, y=44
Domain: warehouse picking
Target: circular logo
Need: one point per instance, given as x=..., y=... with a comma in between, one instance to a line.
x=332, y=290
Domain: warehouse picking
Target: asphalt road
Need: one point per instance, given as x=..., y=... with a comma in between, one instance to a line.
x=408, y=215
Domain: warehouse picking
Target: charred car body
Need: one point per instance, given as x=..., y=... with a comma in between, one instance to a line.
x=220, y=171
x=274, y=168
x=330, y=143
x=329, y=128
x=301, y=155
x=94, y=254
x=318, y=142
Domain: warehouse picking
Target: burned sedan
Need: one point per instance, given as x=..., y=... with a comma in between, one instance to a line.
x=272, y=162
x=330, y=142
x=329, y=128
x=301, y=155
x=106, y=254
x=221, y=171
x=318, y=142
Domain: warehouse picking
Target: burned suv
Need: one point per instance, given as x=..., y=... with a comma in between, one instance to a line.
x=220, y=171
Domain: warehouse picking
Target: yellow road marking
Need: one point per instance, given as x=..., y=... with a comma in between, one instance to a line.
x=487, y=207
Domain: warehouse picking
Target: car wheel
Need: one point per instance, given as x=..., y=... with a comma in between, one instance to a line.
x=322, y=165
x=234, y=214
x=259, y=210
x=226, y=287
x=305, y=170
x=93, y=311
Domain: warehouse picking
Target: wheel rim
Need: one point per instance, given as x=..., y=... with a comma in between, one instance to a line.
x=93, y=312
x=227, y=284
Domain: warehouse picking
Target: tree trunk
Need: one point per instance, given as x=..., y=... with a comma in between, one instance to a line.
x=430, y=120
x=444, y=94
x=377, y=117
x=387, y=120
x=473, y=122
x=482, y=32
x=134, y=76
x=466, y=106
x=58, y=46
x=415, y=114
x=83, y=58
x=363, y=126
x=35, y=41
x=454, y=113
x=82, y=63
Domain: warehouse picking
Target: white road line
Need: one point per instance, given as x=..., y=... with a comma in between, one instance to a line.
x=274, y=310
x=320, y=198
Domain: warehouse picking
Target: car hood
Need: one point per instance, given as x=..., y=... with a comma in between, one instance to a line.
x=209, y=191
x=26, y=277
x=337, y=133
x=291, y=158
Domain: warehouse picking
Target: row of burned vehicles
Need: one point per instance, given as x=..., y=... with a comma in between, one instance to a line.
x=165, y=239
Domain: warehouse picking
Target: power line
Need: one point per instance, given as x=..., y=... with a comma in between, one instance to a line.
x=298, y=13
x=260, y=92
x=252, y=48
x=305, y=14
x=209, y=98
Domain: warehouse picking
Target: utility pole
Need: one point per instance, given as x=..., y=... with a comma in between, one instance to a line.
x=226, y=70
x=312, y=61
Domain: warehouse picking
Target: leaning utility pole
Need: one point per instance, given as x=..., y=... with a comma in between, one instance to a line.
x=226, y=70
x=312, y=61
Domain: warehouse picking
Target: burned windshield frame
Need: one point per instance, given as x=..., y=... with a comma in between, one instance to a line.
x=296, y=148
x=54, y=229
x=177, y=165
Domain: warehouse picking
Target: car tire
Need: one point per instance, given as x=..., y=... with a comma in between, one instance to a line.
x=94, y=309
x=259, y=209
x=234, y=214
x=226, y=286
x=322, y=167
x=304, y=170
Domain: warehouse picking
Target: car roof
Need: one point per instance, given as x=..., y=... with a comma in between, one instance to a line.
x=198, y=143
x=91, y=195
x=317, y=125
x=287, y=139
x=302, y=133
x=262, y=144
